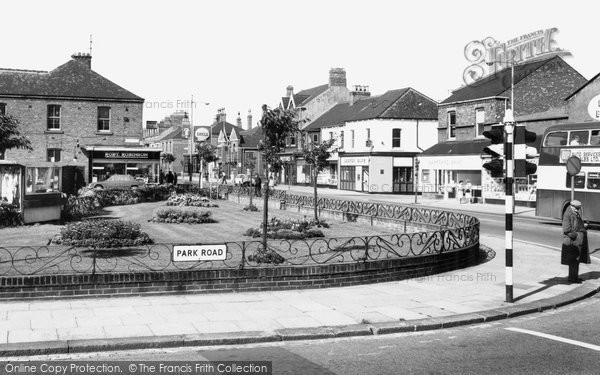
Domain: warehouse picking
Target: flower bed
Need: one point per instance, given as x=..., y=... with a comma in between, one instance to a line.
x=177, y=214
x=9, y=215
x=102, y=234
x=90, y=201
x=187, y=199
x=290, y=229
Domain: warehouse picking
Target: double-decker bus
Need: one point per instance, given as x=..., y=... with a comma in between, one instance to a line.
x=559, y=143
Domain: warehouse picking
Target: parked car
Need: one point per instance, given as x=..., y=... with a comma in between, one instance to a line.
x=118, y=181
x=241, y=179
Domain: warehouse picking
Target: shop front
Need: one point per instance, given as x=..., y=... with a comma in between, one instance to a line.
x=450, y=176
x=35, y=191
x=140, y=162
x=354, y=173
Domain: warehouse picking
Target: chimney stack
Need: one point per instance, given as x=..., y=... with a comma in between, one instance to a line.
x=289, y=91
x=221, y=117
x=359, y=92
x=337, y=77
x=84, y=58
x=238, y=121
x=249, y=119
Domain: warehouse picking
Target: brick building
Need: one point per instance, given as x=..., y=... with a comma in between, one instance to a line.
x=313, y=102
x=76, y=119
x=540, y=89
x=584, y=103
x=377, y=139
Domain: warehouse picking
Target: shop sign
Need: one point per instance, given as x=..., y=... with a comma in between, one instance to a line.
x=594, y=108
x=451, y=162
x=286, y=158
x=126, y=154
x=586, y=155
x=202, y=133
x=363, y=160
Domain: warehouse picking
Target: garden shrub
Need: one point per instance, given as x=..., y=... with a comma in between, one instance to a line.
x=102, y=234
x=10, y=215
x=289, y=229
x=251, y=208
x=177, y=214
x=187, y=199
x=79, y=207
x=268, y=256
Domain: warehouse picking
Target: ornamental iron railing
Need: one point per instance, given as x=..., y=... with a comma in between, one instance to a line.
x=454, y=231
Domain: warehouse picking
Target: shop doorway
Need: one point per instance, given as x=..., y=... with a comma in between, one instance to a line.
x=403, y=180
x=365, y=179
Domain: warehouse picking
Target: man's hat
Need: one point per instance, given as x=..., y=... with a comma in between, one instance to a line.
x=576, y=203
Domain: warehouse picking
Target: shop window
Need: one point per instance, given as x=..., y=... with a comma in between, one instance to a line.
x=479, y=120
x=396, y=137
x=53, y=155
x=347, y=181
x=579, y=181
x=53, y=117
x=452, y=124
x=10, y=177
x=103, y=119
x=2, y=109
x=42, y=180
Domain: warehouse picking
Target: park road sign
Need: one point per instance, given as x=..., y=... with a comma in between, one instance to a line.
x=573, y=165
x=195, y=253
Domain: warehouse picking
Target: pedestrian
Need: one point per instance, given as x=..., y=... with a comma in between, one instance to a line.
x=161, y=177
x=257, y=185
x=575, y=244
x=170, y=178
x=175, y=179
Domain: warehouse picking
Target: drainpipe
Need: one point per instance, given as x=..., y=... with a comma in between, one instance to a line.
x=418, y=137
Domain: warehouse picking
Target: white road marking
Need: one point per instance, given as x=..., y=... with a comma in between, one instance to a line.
x=555, y=338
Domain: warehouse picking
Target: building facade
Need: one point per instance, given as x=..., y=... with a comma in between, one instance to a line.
x=72, y=114
x=377, y=140
x=455, y=162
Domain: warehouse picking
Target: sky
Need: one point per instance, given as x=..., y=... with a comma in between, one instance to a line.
x=238, y=55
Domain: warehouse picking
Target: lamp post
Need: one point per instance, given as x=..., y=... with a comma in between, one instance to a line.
x=416, y=178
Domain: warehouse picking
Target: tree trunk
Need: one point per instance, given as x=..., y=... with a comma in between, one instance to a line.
x=265, y=209
x=251, y=192
x=315, y=186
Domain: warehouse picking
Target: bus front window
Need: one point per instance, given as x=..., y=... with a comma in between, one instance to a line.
x=556, y=139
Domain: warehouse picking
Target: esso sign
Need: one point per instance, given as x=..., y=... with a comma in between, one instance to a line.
x=594, y=108
x=202, y=134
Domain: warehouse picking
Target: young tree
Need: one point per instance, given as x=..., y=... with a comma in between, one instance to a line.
x=316, y=156
x=207, y=153
x=167, y=158
x=10, y=136
x=249, y=165
x=277, y=124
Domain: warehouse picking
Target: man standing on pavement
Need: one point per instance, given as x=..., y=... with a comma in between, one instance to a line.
x=575, y=245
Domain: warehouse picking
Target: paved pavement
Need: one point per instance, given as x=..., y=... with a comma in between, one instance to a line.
x=464, y=296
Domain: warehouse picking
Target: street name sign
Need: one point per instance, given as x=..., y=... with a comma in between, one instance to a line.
x=194, y=253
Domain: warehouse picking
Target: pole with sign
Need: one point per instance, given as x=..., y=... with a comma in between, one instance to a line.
x=201, y=133
x=573, y=167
